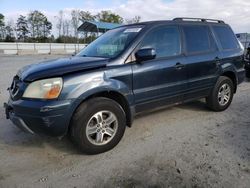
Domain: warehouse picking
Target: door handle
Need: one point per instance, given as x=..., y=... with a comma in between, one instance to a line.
x=179, y=66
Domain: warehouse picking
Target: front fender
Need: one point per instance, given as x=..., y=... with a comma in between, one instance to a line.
x=80, y=87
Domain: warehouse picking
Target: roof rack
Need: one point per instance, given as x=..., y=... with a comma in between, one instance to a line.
x=198, y=19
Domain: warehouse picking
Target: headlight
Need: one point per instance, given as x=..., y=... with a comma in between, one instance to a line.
x=44, y=89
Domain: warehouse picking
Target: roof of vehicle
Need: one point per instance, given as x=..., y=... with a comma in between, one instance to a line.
x=181, y=20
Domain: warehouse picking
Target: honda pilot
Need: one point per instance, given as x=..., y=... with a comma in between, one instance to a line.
x=95, y=94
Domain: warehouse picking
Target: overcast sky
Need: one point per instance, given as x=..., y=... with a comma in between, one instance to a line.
x=234, y=12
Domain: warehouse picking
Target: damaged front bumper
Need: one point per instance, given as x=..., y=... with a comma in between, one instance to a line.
x=40, y=117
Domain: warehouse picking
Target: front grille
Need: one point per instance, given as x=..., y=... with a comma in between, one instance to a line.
x=14, y=88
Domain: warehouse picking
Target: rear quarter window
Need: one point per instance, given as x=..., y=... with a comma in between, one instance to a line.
x=225, y=37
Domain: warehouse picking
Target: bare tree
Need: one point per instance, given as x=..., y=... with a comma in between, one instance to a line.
x=136, y=19
x=12, y=24
x=75, y=15
x=66, y=27
x=59, y=24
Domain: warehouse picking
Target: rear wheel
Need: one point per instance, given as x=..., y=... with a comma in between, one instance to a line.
x=98, y=125
x=221, y=96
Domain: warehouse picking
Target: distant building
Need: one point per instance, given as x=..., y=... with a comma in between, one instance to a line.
x=244, y=38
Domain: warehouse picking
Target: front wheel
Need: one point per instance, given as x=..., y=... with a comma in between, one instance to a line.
x=221, y=96
x=98, y=125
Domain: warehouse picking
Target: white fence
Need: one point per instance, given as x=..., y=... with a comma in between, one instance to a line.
x=39, y=48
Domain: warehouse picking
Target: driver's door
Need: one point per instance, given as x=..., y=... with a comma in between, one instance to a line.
x=162, y=80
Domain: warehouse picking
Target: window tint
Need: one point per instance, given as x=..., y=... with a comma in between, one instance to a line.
x=165, y=40
x=226, y=37
x=198, y=39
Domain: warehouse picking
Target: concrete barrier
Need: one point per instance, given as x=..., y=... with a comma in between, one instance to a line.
x=39, y=48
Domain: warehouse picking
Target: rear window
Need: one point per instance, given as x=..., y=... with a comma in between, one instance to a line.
x=226, y=37
x=198, y=39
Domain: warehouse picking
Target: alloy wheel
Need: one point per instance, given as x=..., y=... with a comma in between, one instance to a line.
x=224, y=94
x=102, y=127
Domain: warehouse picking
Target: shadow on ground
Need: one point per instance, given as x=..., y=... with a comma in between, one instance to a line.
x=16, y=137
x=25, y=141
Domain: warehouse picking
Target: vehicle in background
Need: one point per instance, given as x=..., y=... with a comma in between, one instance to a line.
x=247, y=61
x=244, y=38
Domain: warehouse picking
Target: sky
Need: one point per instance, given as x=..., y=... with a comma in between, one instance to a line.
x=234, y=12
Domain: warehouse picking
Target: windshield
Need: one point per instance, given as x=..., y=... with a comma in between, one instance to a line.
x=112, y=43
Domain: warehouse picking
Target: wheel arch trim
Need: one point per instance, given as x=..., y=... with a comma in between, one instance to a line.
x=124, y=101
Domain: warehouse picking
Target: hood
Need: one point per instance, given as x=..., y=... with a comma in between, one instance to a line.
x=59, y=67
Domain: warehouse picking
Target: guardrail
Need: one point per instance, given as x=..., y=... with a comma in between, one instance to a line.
x=19, y=48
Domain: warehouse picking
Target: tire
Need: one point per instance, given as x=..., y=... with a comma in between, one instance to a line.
x=214, y=101
x=90, y=130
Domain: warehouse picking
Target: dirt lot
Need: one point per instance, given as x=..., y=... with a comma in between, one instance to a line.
x=182, y=146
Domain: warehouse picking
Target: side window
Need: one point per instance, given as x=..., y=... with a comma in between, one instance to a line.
x=165, y=40
x=226, y=37
x=198, y=39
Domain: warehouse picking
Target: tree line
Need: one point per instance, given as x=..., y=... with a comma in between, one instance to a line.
x=35, y=26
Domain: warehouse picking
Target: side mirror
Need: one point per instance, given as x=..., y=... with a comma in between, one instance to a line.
x=145, y=54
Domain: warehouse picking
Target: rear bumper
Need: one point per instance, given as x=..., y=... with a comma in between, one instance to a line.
x=40, y=117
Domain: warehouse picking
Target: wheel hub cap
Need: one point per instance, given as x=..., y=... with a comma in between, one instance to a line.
x=224, y=94
x=101, y=127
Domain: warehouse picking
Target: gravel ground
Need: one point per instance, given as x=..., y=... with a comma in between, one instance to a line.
x=181, y=146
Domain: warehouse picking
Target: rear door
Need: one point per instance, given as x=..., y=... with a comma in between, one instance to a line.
x=231, y=53
x=162, y=80
x=202, y=58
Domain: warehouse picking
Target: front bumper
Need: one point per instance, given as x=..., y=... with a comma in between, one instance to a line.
x=40, y=117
